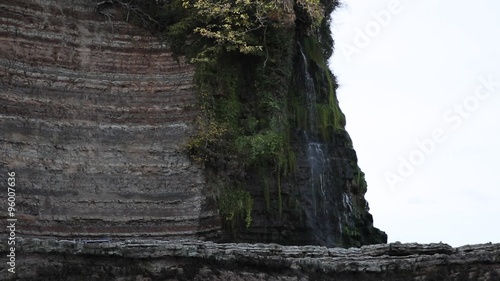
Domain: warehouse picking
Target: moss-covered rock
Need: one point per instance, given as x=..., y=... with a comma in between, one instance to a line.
x=269, y=116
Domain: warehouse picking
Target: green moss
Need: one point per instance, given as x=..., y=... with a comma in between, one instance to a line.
x=351, y=236
x=235, y=203
x=267, y=197
x=329, y=114
x=299, y=114
x=261, y=146
x=361, y=182
x=287, y=162
x=314, y=52
x=280, y=195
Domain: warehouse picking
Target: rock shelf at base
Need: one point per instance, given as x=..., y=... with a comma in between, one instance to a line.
x=50, y=259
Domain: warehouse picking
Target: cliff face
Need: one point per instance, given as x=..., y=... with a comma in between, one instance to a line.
x=93, y=116
x=196, y=260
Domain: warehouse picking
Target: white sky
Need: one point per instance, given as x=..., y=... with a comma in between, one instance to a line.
x=411, y=76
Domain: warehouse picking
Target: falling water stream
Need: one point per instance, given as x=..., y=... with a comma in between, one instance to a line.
x=316, y=155
x=317, y=161
x=321, y=178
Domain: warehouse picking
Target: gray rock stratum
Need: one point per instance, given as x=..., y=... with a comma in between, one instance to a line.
x=93, y=116
x=46, y=259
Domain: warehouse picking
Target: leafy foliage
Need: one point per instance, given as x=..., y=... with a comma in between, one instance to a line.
x=261, y=146
x=235, y=202
x=210, y=135
x=231, y=25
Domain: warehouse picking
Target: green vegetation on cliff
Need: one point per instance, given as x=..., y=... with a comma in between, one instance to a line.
x=250, y=88
x=245, y=68
x=244, y=51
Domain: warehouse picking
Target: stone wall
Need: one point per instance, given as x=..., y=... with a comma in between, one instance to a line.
x=93, y=116
x=195, y=260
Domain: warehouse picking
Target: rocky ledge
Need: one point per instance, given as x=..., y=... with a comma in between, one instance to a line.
x=49, y=259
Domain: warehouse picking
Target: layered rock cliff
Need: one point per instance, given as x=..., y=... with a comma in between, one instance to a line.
x=93, y=116
x=196, y=260
x=96, y=113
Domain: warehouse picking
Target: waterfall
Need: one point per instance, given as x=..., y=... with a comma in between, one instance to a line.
x=318, y=163
x=311, y=99
x=315, y=150
x=331, y=206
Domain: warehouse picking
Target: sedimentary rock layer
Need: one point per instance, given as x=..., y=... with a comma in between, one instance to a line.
x=196, y=260
x=93, y=115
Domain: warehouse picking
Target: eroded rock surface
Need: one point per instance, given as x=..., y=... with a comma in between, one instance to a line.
x=93, y=116
x=44, y=259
